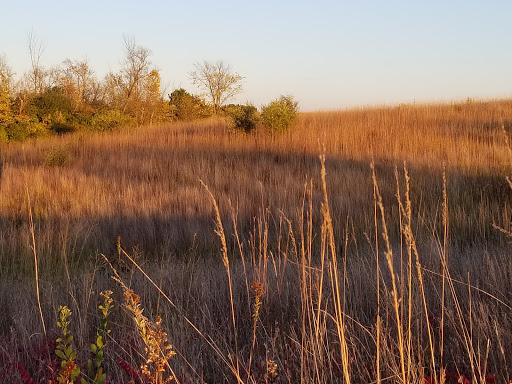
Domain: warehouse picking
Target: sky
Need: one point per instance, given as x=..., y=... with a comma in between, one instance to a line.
x=326, y=54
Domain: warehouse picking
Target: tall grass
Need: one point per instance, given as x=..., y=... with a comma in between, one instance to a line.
x=357, y=276
x=144, y=184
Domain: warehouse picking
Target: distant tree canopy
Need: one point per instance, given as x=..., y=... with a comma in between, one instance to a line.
x=69, y=97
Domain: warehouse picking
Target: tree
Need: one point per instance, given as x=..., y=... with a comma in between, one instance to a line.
x=152, y=98
x=136, y=68
x=278, y=115
x=218, y=82
x=37, y=73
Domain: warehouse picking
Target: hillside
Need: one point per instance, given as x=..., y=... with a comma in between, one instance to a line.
x=145, y=186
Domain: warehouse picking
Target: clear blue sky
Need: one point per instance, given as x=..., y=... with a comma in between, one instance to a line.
x=328, y=54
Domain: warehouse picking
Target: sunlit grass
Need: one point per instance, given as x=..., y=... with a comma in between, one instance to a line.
x=302, y=270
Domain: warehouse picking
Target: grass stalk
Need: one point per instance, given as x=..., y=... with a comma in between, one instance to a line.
x=36, y=268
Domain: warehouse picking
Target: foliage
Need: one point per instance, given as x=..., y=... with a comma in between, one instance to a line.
x=5, y=93
x=97, y=348
x=109, y=119
x=279, y=115
x=243, y=117
x=3, y=135
x=218, y=82
x=53, y=102
x=187, y=106
x=69, y=371
x=24, y=129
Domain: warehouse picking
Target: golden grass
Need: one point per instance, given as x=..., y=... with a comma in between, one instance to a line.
x=361, y=273
x=144, y=185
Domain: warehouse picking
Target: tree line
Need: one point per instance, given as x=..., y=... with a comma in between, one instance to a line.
x=69, y=97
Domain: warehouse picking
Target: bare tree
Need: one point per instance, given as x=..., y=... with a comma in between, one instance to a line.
x=135, y=69
x=218, y=82
x=36, y=50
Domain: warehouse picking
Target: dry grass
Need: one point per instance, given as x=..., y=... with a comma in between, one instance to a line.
x=390, y=279
x=144, y=184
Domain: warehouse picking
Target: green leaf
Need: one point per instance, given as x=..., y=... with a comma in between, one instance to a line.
x=60, y=354
x=101, y=379
x=72, y=356
x=99, y=342
x=94, y=348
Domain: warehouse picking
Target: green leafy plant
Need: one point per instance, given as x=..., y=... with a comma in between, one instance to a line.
x=279, y=115
x=70, y=371
x=97, y=348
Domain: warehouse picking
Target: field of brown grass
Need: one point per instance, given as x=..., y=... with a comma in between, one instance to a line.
x=327, y=313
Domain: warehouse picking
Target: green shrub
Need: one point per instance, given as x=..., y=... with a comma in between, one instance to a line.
x=279, y=115
x=55, y=102
x=109, y=119
x=186, y=106
x=243, y=117
x=24, y=129
x=3, y=135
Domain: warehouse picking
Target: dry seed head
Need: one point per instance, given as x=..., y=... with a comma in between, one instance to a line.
x=257, y=287
x=271, y=373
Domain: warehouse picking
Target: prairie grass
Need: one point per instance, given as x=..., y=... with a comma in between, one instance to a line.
x=302, y=270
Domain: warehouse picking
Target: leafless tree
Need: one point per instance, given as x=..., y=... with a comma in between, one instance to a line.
x=218, y=82
x=36, y=49
x=135, y=69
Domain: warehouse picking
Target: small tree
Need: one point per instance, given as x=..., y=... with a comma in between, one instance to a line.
x=279, y=115
x=218, y=82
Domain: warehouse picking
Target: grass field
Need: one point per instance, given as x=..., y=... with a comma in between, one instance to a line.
x=294, y=294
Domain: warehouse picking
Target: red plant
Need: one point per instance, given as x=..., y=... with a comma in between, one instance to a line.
x=130, y=371
x=24, y=374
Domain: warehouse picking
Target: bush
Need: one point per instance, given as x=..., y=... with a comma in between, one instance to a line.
x=243, y=117
x=186, y=106
x=22, y=130
x=3, y=135
x=54, y=101
x=279, y=115
x=109, y=119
